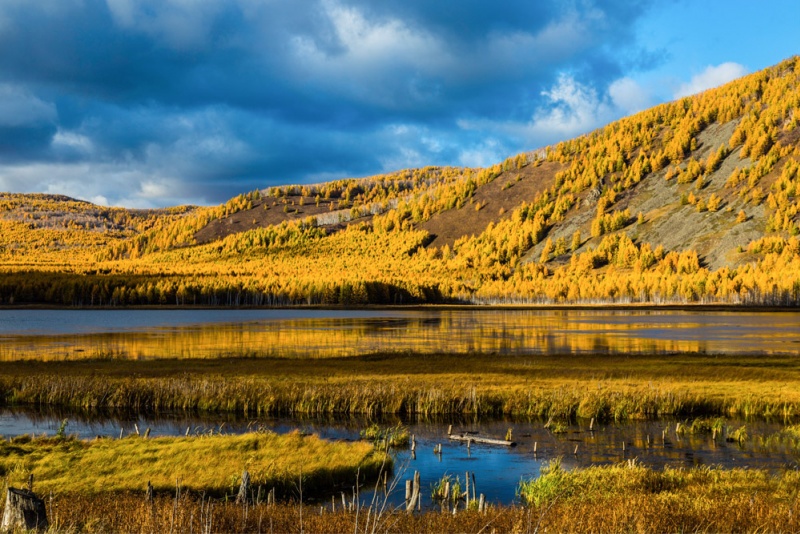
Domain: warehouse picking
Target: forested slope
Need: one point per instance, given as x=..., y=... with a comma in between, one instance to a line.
x=690, y=201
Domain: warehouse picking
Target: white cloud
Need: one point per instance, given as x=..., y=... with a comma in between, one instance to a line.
x=573, y=109
x=18, y=107
x=182, y=24
x=388, y=56
x=484, y=154
x=196, y=149
x=153, y=190
x=628, y=96
x=377, y=61
x=570, y=108
x=72, y=140
x=711, y=77
x=102, y=183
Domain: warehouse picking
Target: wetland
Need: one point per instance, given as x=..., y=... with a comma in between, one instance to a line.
x=668, y=394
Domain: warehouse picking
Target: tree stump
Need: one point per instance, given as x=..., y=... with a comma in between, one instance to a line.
x=244, y=488
x=23, y=511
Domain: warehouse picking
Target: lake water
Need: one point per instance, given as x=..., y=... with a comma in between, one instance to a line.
x=152, y=334
x=497, y=469
x=149, y=334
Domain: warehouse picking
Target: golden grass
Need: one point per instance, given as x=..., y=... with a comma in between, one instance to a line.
x=604, y=387
x=211, y=464
x=606, y=499
x=631, y=478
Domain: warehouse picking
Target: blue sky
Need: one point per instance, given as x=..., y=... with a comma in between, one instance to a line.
x=147, y=103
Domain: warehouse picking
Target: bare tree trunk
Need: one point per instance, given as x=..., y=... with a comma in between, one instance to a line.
x=23, y=510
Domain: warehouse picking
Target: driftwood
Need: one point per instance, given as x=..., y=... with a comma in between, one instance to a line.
x=481, y=439
x=23, y=511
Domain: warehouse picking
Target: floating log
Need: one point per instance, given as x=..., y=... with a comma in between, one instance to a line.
x=24, y=511
x=482, y=439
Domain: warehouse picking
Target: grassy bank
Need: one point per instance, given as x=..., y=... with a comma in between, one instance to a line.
x=600, y=386
x=599, y=499
x=208, y=464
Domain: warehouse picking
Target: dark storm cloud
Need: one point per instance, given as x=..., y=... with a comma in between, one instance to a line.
x=157, y=101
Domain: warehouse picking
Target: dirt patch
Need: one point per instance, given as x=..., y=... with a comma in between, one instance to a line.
x=497, y=200
x=267, y=212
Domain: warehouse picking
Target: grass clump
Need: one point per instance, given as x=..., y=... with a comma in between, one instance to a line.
x=211, y=464
x=737, y=435
x=395, y=436
x=788, y=438
x=703, y=425
x=552, y=483
x=447, y=489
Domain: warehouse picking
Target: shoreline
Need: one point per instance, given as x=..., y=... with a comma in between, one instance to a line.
x=734, y=308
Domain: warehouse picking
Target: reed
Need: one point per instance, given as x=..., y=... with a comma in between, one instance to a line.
x=395, y=436
x=561, y=388
x=621, y=498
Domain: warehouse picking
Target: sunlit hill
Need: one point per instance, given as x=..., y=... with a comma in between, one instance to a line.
x=694, y=201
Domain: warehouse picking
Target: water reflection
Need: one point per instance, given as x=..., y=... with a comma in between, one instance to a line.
x=497, y=470
x=133, y=334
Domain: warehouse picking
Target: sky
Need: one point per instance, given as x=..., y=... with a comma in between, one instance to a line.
x=152, y=103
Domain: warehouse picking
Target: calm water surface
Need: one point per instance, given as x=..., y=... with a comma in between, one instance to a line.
x=498, y=470
x=148, y=334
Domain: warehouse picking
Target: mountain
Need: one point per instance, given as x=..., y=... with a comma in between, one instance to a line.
x=690, y=201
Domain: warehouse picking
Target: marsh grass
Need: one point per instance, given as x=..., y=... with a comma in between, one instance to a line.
x=704, y=425
x=562, y=388
x=787, y=438
x=210, y=464
x=619, y=498
x=737, y=435
x=629, y=496
x=551, y=484
x=447, y=490
x=393, y=437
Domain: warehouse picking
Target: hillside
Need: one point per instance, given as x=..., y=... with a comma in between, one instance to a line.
x=690, y=201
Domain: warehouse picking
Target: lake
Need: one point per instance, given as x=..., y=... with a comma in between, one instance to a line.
x=188, y=333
